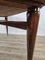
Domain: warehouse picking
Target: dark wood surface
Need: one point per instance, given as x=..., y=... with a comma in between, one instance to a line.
x=12, y=7
x=32, y=24
x=21, y=25
x=6, y=19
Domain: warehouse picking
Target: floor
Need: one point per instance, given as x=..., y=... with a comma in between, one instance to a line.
x=14, y=47
x=39, y=51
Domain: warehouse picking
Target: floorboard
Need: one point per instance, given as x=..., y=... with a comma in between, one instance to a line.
x=14, y=47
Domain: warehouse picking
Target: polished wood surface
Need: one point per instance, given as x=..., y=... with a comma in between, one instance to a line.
x=21, y=25
x=32, y=24
x=6, y=24
x=12, y=7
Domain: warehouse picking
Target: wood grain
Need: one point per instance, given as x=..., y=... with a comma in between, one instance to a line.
x=39, y=50
x=14, y=47
x=12, y=7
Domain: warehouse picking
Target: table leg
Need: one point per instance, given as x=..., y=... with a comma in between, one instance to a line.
x=32, y=24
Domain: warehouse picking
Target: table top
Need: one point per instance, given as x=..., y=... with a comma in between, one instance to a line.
x=12, y=7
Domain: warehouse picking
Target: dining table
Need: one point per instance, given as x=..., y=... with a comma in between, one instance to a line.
x=13, y=7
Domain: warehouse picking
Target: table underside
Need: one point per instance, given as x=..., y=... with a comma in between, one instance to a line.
x=12, y=7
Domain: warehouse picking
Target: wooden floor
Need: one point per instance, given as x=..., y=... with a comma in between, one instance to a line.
x=39, y=51
x=14, y=47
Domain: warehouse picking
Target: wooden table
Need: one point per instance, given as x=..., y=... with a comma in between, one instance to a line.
x=12, y=7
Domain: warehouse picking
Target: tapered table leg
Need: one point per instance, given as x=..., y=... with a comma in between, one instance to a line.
x=6, y=25
x=32, y=24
